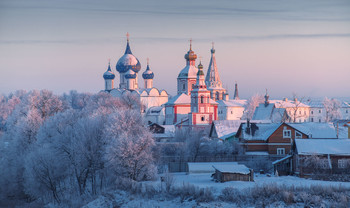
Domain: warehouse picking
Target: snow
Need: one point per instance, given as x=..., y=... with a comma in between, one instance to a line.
x=288, y=104
x=282, y=159
x=226, y=128
x=235, y=168
x=316, y=130
x=265, y=130
x=323, y=146
x=204, y=180
x=189, y=71
x=232, y=103
x=127, y=59
x=180, y=99
x=207, y=167
x=269, y=112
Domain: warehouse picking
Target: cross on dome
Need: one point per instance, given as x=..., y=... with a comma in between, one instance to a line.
x=127, y=36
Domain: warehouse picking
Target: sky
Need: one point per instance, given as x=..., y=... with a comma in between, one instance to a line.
x=287, y=47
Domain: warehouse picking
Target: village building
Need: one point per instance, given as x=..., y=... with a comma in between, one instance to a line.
x=278, y=139
x=321, y=156
x=231, y=109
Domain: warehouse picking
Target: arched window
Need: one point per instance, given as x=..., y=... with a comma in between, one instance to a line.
x=202, y=118
x=202, y=99
x=217, y=95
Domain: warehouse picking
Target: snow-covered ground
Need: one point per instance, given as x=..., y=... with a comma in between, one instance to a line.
x=122, y=199
x=204, y=180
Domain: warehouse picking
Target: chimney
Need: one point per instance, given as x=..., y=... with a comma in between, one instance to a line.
x=247, y=130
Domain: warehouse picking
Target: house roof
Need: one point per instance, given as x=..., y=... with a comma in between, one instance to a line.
x=316, y=130
x=232, y=103
x=288, y=104
x=226, y=128
x=262, y=132
x=269, y=112
x=232, y=168
x=207, y=167
x=323, y=146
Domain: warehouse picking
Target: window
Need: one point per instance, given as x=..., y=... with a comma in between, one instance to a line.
x=324, y=164
x=319, y=120
x=312, y=112
x=342, y=163
x=280, y=151
x=192, y=86
x=202, y=118
x=312, y=119
x=298, y=135
x=299, y=120
x=217, y=95
x=202, y=99
x=299, y=112
x=304, y=112
x=183, y=86
x=231, y=112
x=319, y=111
x=346, y=111
x=287, y=133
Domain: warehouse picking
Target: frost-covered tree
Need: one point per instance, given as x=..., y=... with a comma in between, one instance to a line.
x=129, y=152
x=252, y=103
x=332, y=107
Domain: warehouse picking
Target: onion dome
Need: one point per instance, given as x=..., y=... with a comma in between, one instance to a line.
x=200, y=67
x=109, y=74
x=190, y=54
x=128, y=60
x=148, y=74
x=130, y=74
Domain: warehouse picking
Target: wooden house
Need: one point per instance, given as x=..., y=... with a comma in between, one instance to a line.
x=235, y=172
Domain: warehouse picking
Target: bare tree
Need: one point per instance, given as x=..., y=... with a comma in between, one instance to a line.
x=252, y=103
x=332, y=107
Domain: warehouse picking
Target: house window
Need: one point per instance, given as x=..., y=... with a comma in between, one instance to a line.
x=280, y=151
x=319, y=120
x=287, y=133
x=183, y=86
x=202, y=99
x=346, y=111
x=324, y=164
x=312, y=112
x=342, y=163
x=202, y=118
x=298, y=135
x=312, y=119
x=319, y=111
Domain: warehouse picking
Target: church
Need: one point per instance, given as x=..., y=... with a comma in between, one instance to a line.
x=198, y=96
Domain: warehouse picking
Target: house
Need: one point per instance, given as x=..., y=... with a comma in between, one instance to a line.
x=206, y=167
x=268, y=111
x=235, y=172
x=322, y=156
x=231, y=109
x=227, y=129
x=278, y=139
x=162, y=133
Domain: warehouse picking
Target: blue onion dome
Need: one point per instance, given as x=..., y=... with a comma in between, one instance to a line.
x=148, y=74
x=109, y=74
x=128, y=61
x=130, y=74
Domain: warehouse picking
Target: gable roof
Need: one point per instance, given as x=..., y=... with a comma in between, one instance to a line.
x=323, y=146
x=262, y=131
x=225, y=128
x=180, y=99
x=316, y=130
x=269, y=112
x=232, y=103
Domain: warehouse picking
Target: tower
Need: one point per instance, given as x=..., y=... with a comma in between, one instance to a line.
x=203, y=112
x=187, y=77
x=109, y=76
x=212, y=78
x=148, y=76
x=236, y=96
x=127, y=62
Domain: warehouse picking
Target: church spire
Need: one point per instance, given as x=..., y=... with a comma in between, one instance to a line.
x=212, y=79
x=127, y=50
x=236, y=96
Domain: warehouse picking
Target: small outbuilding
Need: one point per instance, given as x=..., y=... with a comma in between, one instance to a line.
x=234, y=172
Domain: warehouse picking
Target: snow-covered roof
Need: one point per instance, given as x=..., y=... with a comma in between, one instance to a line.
x=232, y=103
x=190, y=71
x=226, y=128
x=319, y=104
x=263, y=132
x=256, y=153
x=282, y=159
x=206, y=167
x=180, y=99
x=288, y=104
x=323, y=146
x=229, y=168
x=155, y=110
x=169, y=132
x=316, y=130
x=263, y=112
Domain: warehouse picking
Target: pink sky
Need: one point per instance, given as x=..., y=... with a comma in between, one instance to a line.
x=298, y=46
